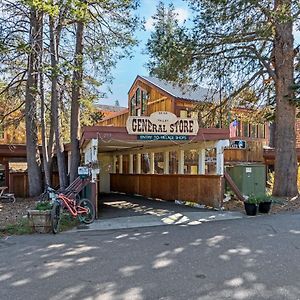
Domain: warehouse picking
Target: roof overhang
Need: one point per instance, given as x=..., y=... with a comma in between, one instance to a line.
x=117, y=139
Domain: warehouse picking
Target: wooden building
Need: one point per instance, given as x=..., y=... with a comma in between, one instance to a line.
x=149, y=94
x=189, y=170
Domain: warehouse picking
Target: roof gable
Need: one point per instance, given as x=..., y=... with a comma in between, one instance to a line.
x=185, y=92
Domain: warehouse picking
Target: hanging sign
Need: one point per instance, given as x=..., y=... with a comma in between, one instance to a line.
x=162, y=123
x=238, y=144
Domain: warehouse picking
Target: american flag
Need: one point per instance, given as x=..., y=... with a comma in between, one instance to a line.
x=233, y=128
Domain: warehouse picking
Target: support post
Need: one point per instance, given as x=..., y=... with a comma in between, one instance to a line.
x=220, y=145
x=114, y=170
x=152, y=163
x=201, y=162
x=138, y=164
x=166, y=162
x=120, y=164
x=181, y=162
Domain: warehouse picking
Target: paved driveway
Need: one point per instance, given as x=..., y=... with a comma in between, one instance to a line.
x=122, y=211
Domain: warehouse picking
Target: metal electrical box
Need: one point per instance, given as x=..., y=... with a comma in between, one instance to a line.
x=249, y=178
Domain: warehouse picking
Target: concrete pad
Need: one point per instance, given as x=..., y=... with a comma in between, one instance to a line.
x=178, y=218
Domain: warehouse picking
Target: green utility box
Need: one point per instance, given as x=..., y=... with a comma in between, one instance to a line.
x=249, y=178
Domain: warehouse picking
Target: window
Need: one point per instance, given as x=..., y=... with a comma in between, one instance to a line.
x=183, y=113
x=190, y=162
x=135, y=163
x=173, y=162
x=158, y=163
x=138, y=97
x=145, y=163
x=210, y=161
x=132, y=106
x=194, y=115
x=144, y=101
x=245, y=129
x=261, y=131
x=253, y=132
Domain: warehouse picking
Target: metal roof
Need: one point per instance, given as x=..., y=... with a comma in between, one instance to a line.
x=183, y=92
x=110, y=108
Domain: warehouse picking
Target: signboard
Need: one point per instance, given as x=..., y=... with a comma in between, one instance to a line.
x=248, y=170
x=149, y=137
x=162, y=123
x=238, y=144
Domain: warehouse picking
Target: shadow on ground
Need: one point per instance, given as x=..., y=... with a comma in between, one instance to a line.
x=243, y=259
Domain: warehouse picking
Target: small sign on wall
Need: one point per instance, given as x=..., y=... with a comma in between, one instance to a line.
x=238, y=144
x=248, y=170
x=148, y=137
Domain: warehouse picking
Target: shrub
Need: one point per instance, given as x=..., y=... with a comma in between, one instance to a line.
x=43, y=205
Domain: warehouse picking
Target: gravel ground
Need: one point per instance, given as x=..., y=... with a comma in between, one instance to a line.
x=280, y=206
x=11, y=213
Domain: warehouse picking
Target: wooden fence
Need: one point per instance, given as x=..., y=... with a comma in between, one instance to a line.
x=202, y=189
x=18, y=183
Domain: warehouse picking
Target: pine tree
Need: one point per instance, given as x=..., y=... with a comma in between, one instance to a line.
x=249, y=44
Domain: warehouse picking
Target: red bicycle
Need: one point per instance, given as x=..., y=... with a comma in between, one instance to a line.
x=82, y=208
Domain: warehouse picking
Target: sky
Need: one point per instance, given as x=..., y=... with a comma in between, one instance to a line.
x=127, y=69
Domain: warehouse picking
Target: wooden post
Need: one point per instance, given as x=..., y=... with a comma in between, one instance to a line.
x=181, y=162
x=120, y=164
x=166, y=162
x=114, y=170
x=152, y=163
x=138, y=163
x=201, y=162
x=220, y=145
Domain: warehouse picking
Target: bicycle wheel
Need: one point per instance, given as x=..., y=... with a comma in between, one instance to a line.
x=88, y=217
x=8, y=198
x=55, y=217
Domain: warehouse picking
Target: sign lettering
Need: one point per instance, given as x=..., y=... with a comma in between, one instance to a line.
x=162, y=123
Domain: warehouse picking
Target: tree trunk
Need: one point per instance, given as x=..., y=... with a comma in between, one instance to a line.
x=75, y=106
x=272, y=135
x=285, y=152
x=59, y=146
x=32, y=151
x=47, y=177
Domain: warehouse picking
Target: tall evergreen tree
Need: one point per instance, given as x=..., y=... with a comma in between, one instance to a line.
x=246, y=43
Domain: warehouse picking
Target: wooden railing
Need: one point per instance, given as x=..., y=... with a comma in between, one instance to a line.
x=202, y=189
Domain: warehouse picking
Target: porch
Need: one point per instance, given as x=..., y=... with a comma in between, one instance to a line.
x=189, y=170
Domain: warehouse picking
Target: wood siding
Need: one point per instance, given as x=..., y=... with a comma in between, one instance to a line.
x=254, y=152
x=18, y=183
x=118, y=120
x=202, y=189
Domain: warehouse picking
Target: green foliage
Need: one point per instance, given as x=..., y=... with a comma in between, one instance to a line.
x=22, y=227
x=109, y=27
x=169, y=47
x=44, y=205
x=230, y=45
x=67, y=222
x=253, y=199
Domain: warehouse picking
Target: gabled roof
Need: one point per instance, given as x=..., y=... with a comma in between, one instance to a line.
x=184, y=92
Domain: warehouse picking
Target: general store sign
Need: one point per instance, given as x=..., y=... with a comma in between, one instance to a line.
x=162, y=123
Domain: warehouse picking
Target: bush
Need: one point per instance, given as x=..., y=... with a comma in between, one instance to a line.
x=22, y=227
x=43, y=205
